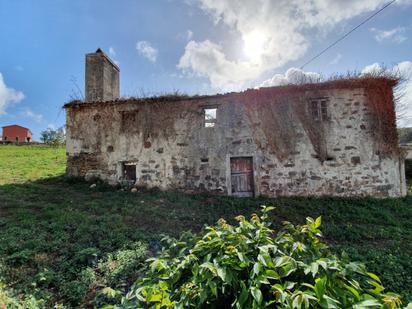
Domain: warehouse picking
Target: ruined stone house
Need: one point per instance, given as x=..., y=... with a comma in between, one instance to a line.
x=334, y=138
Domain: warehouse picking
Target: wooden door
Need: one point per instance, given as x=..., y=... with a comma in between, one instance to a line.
x=242, y=176
x=130, y=171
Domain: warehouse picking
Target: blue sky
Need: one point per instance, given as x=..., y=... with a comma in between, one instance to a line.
x=193, y=46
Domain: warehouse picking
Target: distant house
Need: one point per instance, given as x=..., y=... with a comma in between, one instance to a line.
x=16, y=134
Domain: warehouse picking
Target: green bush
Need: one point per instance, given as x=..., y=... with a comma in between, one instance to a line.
x=252, y=266
x=122, y=267
x=118, y=272
x=87, y=257
x=10, y=301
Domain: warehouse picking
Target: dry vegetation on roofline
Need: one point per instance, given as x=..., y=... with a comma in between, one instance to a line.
x=151, y=119
x=276, y=112
x=141, y=98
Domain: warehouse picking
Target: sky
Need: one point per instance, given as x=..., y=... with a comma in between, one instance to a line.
x=190, y=46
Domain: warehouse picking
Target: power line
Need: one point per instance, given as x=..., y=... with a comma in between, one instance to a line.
x=346, y=34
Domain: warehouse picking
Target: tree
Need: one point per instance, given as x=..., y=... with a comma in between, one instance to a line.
x=53, y=137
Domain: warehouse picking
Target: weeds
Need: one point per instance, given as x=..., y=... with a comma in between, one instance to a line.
x=58, y=237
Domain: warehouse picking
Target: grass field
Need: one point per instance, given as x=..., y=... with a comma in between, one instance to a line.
x=20, y=164
x=54, y=231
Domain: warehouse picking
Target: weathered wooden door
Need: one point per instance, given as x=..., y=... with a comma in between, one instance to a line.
x=242, y=176
x=130, y=171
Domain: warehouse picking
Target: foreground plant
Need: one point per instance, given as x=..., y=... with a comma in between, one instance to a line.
x=252, y=266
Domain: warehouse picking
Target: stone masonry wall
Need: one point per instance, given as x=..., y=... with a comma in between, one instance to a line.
x=173, y=150
x=101, y=78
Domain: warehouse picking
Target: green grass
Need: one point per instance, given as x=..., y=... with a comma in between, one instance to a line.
x=48, y=224
x=19, y=164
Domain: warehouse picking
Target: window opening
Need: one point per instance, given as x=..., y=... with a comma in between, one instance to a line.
x=319, y=109
x=210, y=117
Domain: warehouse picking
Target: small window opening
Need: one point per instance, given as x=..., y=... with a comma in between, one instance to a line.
x=210, y=117
x=17, y=139
x=319, y=109
x=324, y=109
x=129, y=171
x=5, y=138
x=204, y=160
x=129, y=120
x=314, y=110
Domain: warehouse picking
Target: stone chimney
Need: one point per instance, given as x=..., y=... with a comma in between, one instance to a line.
x=102, y=77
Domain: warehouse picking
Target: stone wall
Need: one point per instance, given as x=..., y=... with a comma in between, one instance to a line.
x=172, y=149
x=102, y=78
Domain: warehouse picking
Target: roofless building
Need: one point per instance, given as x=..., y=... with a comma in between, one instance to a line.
x=334, y=138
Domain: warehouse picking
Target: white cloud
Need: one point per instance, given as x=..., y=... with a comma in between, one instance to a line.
x=274, y=33
x=208, y=59
x=337, y=59
x=28, y=113
x=112, y=52
x=395, y=35
x=405, y=101
x=189, y=34
x=404, y=96
x=402, y=69
x=292, y=76
x=146, y=50
x=404, y=104
x=374, y=68
x=8, y=96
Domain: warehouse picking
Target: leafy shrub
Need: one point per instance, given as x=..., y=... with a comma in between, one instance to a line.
x=87, y=276
x=118, y=271
x=20, y=258
x=87, y=256
x=252, y=266
x=73, y=292
x=9, y=301
x=123, y=266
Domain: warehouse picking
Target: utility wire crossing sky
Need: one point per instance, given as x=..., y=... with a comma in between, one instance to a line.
x=193, y=46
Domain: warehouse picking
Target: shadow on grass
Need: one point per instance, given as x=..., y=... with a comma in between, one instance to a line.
x=57, y=227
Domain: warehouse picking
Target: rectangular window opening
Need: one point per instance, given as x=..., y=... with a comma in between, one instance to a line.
x=314, y=110
x=129, y=120
x=319, y=109
x=209, y=117
x=324, y=109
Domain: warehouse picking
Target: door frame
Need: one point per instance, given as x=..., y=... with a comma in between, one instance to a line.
x=229, y=173
x=121, y=169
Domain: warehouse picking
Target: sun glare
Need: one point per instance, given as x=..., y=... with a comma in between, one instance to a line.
x=254, y=44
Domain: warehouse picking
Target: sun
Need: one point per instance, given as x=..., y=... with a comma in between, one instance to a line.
x=254, y=45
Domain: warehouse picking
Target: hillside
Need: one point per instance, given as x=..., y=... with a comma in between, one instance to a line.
x=405, y=135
